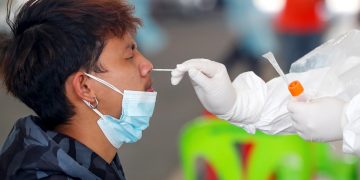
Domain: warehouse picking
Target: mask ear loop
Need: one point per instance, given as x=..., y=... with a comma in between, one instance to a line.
x=94, y=107
x=104, y=83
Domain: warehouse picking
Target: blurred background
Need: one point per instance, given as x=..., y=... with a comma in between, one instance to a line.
x=233, y=32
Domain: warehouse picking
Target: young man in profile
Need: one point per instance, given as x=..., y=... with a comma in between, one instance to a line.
x=75, y=63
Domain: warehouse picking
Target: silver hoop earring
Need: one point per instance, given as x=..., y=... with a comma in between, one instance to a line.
x=96, y=104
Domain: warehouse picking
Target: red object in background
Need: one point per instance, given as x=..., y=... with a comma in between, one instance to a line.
x=273, y=176
x=301, y=16
x=210, y=173
x=207, y=114
x=245, y=151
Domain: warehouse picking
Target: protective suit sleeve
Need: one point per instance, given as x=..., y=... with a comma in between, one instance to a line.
x=269, y=111
x=351, y=127
x=251, y=94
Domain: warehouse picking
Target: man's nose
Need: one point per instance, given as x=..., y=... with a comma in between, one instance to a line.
x=145, y=67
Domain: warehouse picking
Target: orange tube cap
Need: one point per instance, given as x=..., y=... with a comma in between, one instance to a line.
x=295, y=88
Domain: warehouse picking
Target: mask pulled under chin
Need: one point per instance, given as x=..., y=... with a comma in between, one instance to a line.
x=137, y=109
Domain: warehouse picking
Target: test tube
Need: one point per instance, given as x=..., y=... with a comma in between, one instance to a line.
x=270, y=57
x=295, y=87
x=296, y=90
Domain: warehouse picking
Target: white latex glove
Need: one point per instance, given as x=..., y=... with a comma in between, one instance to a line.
x=318, y=120
x=211, y=83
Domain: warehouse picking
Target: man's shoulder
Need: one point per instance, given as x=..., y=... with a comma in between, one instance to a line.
x=25, y=132
x=25, y=145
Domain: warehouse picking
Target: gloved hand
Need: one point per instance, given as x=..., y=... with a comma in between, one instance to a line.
x=319, y=120
x=211, y=83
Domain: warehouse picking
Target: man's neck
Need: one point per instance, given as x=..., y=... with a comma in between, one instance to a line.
x=87, y=132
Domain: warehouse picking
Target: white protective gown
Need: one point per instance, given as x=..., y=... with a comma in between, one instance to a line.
x=331, y=70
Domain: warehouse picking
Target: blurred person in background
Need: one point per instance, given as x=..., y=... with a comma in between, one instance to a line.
x=76, y=65
x=252, y=31
x=300, y=26
x=151, y=37
x=342, y=16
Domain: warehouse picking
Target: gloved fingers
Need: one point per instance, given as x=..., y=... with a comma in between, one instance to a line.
x=297, y=125
x=199, y=78
x=296, y=106
x=177, y=74
x=207, y=67
x=176, y=80
x=302, y=133
x=305, y=131
x=305, y=137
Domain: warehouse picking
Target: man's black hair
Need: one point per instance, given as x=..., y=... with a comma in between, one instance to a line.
x=52, y=39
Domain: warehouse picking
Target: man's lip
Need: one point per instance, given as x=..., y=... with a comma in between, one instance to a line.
x=150, y=89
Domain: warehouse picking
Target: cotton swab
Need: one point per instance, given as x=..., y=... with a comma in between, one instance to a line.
x=295, y=87
x=270, y=57
x=163, y=70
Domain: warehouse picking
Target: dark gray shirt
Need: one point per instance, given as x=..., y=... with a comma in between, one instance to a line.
x=32, y=152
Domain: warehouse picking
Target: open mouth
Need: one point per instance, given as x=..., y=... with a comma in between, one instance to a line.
x=150, y=89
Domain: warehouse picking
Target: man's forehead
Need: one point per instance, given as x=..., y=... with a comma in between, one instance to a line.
x=129, y=40
x=124, y=42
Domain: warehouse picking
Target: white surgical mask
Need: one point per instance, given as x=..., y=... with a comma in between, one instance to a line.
x=137, y=109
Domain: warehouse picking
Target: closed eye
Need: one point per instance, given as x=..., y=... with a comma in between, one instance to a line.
x=130, y=58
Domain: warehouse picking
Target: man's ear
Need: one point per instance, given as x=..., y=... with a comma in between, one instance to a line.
x=82, y=87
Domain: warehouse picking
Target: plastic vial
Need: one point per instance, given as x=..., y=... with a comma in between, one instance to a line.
x=297, y=91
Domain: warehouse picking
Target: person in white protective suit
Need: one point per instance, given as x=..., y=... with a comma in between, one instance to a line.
x=330, y=75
